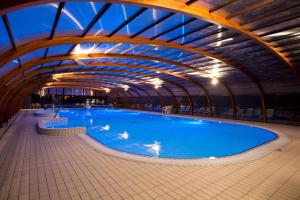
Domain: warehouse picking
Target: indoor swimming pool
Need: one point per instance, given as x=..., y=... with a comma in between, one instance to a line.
x=164, y=136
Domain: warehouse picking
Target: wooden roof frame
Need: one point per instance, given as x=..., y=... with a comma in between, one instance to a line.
x=172, y=6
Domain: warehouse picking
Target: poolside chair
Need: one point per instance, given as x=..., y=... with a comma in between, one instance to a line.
x=240, y=112
x=249, y=113
x=270, y=113
x=182, y=109
x=230, y=112
x=197, y=111
x=187, y=109
x=157, y=108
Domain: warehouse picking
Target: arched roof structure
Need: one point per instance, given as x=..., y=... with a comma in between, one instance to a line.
x=250, y=47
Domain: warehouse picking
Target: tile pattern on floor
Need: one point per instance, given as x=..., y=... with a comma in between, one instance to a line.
x=34, y=166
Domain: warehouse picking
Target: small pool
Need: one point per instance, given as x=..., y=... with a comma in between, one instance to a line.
x=165, y=136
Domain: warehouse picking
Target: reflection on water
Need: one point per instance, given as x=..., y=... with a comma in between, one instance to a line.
x=124, y=135
x=88, y=113
x=144, y=133
x=105, y=128
x=196, y=122
x=154, y=148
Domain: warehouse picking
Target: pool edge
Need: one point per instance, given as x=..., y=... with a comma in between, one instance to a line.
x=249, y=155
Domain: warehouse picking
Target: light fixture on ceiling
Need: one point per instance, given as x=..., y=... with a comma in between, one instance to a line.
x=58, y=76
x=79, y=50
x=49, y=84
x=42, y=92
x=79, y=62
x=125, y=87
x=214, y=81
x=157, y=86
x=156, y=82
x=107, y=90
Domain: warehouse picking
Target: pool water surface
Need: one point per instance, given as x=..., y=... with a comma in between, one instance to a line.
x=164, y=136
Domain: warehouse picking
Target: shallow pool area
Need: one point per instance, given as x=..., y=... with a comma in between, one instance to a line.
x=162, y=136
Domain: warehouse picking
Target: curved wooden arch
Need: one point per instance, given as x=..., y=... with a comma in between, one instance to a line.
x=119, y=39
x=179, y=7
x=64, y=40
x=26, y=76
x=125, y=72
x=28, y=65
x=41, y=61
x=106, y=64
x=135, y=78
x=16, y=95
x=88, y=87
x=137, y=87
x=7, y=100
x=149, y=76
x=18, y=87
x=32, y=73
x=71, y=85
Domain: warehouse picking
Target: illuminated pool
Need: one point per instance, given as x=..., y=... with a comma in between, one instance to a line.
x=165, y=136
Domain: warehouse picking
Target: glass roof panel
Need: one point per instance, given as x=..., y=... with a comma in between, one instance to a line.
x=166, y=25
x=9, y=66
x=192, y=26
x=104, y=47
x=32, y=68
x=178, y=57
x=33, y=55
x=66, y=62
x=32, y=22
x=145, y=19
x=59, y=50
x=123, y=47
x=76, y=16
x=168, y=52
x=50, y=64
x=154, y=50
x=199, y=34
x=138, y=49
x=4, y=39
x=112, y=18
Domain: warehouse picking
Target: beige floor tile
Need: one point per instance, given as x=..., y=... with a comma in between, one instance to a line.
x=34, y=166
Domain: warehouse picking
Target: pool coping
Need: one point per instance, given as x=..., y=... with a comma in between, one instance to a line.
x=249, y=155
x=43, y=129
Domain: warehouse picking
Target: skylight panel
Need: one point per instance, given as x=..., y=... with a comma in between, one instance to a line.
x=9, y=66
x=112, y=18
x=145, y=19
x=166, y=25
x=76, y=16
x=32, y=55
x=32, y=23
x=4, y=40
x=59, y=50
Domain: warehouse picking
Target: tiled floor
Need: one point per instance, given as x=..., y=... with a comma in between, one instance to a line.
x=34, y=166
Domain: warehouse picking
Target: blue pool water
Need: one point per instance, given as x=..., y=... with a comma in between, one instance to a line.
x=165, y=136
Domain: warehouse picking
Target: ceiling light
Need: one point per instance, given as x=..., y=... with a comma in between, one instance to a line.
x=79, y=50
x=60, y=75
x=156, y=82
x=107, y=90
x=214, y=81
x=42, y=92
x=79, y=62
x=157, y=86
x=125, y=87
